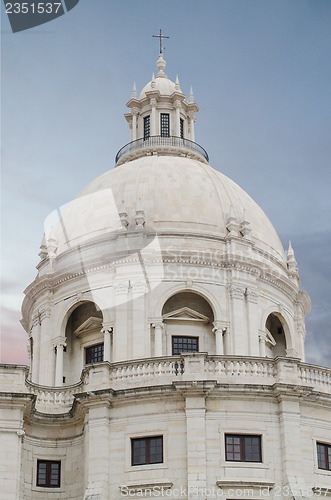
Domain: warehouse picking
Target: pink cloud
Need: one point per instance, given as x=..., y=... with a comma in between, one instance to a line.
x=14, y=339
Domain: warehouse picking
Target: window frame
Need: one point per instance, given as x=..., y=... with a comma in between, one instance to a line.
x=181, y=128
x=88, y=349
x=147, y=440
x=173, y=337
x=48, y=473
x=242, y=438
x=147, y=120
x=162, y=134
x=327, y=447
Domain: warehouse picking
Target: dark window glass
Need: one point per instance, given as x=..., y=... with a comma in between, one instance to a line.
x=147, y=127
x=182, y=128
x=324, y=456
x=94, y=354
x=165, y=128
x=48, y=473
x=241, y=448
x=185, y=344
x=147, y=450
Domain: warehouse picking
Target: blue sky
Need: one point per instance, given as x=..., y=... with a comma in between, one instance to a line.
x=261, y=73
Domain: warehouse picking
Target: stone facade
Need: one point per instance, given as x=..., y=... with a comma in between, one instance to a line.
x=164, y=305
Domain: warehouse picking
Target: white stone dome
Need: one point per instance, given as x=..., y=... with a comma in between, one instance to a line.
x=165, y=86
x=178, y=195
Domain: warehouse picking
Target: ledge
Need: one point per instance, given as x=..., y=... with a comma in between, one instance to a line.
x=247, y=483
x=134, y=488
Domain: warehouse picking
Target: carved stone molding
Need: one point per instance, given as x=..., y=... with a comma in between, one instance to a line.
x=237, y=292
x=251, y=295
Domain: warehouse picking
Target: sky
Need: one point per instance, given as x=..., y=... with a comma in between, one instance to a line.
x=261, y=73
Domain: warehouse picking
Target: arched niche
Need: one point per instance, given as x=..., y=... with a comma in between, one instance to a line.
x=276, y=344
x=83, y=332
x=188, y=319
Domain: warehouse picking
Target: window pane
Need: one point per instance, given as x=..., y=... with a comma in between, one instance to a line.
x=185, y=344
x=147, y=450
x=165, y=125
x=322, y=455
x=156, y=450
x=48, y=473
x=182, y=128
x=94, y=354
x=147, y=127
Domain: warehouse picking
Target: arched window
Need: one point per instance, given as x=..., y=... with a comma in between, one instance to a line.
x=189, y=322
x=276, y=340
x=84, y=340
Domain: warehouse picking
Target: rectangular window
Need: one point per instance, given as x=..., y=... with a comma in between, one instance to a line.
x=48, y=473
x=324, y=456
x=243, y=448
x=94, y=354
x=182, y=128
x=147, y=127
x=147, y=450
x=185, y=344
x=165, y=127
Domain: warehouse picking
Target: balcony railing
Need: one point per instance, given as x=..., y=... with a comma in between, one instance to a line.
x=172, y=144
x=229, y=370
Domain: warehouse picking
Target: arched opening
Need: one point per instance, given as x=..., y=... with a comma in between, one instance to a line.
x=189, y=322
x=276, y=339
x=84, y=340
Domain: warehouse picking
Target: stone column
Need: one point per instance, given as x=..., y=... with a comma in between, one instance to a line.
x=153, y=117
x=262, y=342
x=158, y=327
x=219, y=330
x=59, y=343
x=134, y=112
x=47, y=353
x=238, y=321
x=290, y=443
x=177, y=105
x=35, y=333
x=195, y=410
x=251, y=297
x=192, y=120
x=107, y=331
x=120, y=335
x=98, y=450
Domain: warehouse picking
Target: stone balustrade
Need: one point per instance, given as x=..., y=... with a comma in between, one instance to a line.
x=166, y=370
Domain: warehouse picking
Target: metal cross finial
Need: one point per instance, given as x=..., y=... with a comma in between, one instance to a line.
x=160, y=36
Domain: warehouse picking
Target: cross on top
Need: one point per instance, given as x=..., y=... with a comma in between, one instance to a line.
x=160, y=36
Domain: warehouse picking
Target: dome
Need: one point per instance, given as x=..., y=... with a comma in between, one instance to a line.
x=178, y=195
x=165, y=86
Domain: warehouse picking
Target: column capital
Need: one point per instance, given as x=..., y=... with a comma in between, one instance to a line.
x=153, y=102
x=157, y=323
x=135, y=111
x=220, y=325
x=107, y=327
x=59, y=342
x=178, y=104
